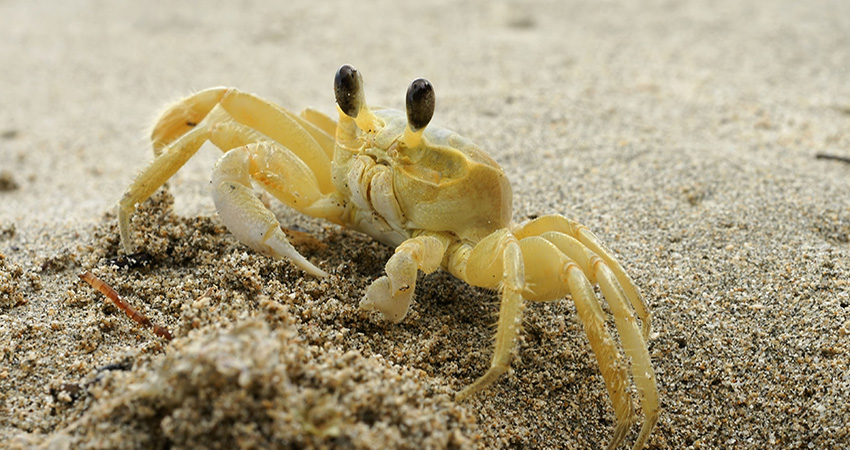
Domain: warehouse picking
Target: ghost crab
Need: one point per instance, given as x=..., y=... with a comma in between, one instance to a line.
x=433, y=195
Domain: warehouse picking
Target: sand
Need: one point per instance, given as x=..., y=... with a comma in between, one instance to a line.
x=685, y=135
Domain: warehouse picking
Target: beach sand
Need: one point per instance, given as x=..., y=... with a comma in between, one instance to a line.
x=686, y=136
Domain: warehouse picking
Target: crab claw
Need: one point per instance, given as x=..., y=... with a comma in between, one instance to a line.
x=392, y=293
x=380, y=297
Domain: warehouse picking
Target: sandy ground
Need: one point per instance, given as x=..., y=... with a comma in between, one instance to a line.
x=684, y=134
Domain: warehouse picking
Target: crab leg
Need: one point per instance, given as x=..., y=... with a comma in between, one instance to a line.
x=291, y=131
x=227, y=118
x=182, y=117
x=299, y=133
x=560, y=223
x=563, y=258
x=608, y=358
x=156, y=174
x=585, y=266
x=392, y=294
x=508, y=271
x=634, y=346
x=322, y=122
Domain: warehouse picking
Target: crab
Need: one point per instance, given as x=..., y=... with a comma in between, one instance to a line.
x=433, y=195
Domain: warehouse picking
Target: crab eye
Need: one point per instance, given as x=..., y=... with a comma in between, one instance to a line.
x=420, y=104
x=347, y=88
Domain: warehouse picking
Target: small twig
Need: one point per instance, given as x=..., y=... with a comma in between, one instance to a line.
x=845, y=159
x=122, y=304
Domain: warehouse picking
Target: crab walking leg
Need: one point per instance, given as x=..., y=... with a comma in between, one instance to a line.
x=633, y=345
x=572, y=228
x=297, y=134
x=546, y=261
x=624, y=281
x=228, y=118
x=163, y=167
x=508, y=264
x=392, y=293
x=610, y=361
x=595, y=268
x=244, y=214
x=322, y=121
x=216, y=126
x=182, y=117
x=305, y=136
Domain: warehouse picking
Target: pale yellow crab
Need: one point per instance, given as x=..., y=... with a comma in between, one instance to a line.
x=433, y=195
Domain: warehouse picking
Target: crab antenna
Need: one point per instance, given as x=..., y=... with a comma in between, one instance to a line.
x=350, y=97
x=420, y=109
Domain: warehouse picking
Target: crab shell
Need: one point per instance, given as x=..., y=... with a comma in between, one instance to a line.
x=445, y=184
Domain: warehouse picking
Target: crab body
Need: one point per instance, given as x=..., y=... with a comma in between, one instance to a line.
x=435, y=196
x=420, y=188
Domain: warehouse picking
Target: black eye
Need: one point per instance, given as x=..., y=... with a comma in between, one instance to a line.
x=347, y=86
x=420, y=104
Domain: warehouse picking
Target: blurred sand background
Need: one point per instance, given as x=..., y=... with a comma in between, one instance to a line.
x=684, y=134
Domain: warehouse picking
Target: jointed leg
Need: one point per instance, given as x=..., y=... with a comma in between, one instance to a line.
x=305, y=135
x=594, y=268
x=182, y=117
x=392, y=294
x=228, y=118
x=576, y=266
x=322, y=122
x=608, y=358
x=163, y=167
x=499, y=254
x=634, y=346
x=581, y=233
x=555, y=274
